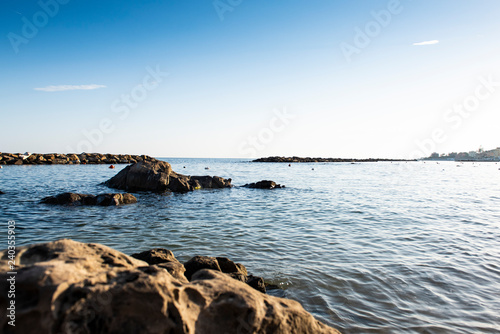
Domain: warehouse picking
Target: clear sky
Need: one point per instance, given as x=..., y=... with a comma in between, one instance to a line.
x=250, y=78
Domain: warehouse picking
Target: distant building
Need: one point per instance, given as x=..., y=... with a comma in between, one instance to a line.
x=473, y=154
x=495, y=154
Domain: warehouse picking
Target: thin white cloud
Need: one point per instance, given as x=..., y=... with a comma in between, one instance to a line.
x=69, y=87
x=427, y=43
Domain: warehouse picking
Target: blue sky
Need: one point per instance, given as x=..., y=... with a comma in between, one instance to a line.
x=241, y=78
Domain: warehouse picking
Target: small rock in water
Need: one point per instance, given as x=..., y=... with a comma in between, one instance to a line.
x=73, y=199
x=226, y=266
x=264, y=184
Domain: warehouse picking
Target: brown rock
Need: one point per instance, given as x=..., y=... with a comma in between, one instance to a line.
x=115, y=199
x=226, y=266
x=200, y=262
x=73, y=157
x=176, y=269
x=155, y=256
x=142, y=176
x=73, y=199
x=71, y=287
x=264, y=184
x=158, y=176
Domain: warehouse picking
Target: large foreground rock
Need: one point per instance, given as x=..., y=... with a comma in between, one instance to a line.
x=71, y=287
x=158, y=176
x=73, y=199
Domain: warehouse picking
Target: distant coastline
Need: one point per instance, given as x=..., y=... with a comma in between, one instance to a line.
x=473, y=156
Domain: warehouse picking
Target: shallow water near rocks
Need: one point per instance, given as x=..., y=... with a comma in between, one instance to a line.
x=367, y=248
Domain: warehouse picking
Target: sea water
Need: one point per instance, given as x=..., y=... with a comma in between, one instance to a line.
x=365, y=247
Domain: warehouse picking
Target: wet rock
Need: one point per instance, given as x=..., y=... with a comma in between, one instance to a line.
x=226, y=266
x=71, y=287
x=142, y=176
x=73, y=199
x=164, y=259
x=1, y=192
x=158, y=176
x=155, y=256
x=255, y=282
x=264, y=184
x=200, y=262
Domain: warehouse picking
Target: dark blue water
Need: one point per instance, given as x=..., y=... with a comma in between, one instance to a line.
x=367, y=248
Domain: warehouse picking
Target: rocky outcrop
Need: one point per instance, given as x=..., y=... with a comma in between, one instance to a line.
x=264, y=184
x=1, y=192
x=71, y=287
x=70, y=159
x=299, y=159
x=73, y=199
x=158, y=176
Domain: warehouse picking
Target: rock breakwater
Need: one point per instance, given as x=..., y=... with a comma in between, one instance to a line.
x=70, y=159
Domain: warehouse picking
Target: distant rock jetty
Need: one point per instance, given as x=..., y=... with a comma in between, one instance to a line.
x=299, y=159
x=70, y=159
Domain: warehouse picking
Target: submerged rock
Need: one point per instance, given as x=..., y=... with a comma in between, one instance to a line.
x=71, y=287
x=73, y=199
x=158, y=176
x=264, y=184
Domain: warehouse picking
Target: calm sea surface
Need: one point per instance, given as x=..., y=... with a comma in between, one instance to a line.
x=366, y=248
